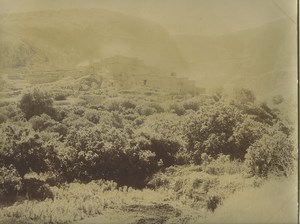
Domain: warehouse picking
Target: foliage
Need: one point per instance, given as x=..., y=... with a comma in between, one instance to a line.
x=92, y=115
x=3, y=117
x=10, y=183
x=192, y=186
x=146, y=110
x=191, y=105
x=195, y=153
x=177, y=109
x=60, y=96
x=210, y=131
x=244, y=96
x=35, y=186
x=26, y=149
x=274, y=153
x=36, y=103
x=161, y=134
x=128, y=104
x=11, y=112
x=46, y=123
x=220, y=166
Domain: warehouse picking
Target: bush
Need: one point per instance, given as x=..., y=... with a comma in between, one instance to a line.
x=244, y=96
x=36, y=103
x=177, y=109
x=191, y=105
x=60, y=96
x=46, y=123
x=12, y=112
x=213, y=202
x=10, y=183
x=220, y=166
x=145, y=110
x=26, y=149
x=76, y=121
x=35, y=186
x=127, y=104
x=92, y=115
x=211, y=129
x=113, y=105
x=162, y=134
x=3, y=117
x=272, y=154
x=157, y=107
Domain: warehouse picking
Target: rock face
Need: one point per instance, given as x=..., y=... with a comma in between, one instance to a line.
x=60, y=39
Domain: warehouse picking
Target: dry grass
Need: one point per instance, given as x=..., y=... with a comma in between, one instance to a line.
x=78, y=201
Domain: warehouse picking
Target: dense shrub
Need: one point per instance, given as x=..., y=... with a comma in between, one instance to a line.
x=60, y=96
x=158, y=108
x=35, y=186
x=12, y=112
x=95, y=152
x=36, y=103
x=113, y=105
x=145, y=110
x=244, y=96
x=162, y=134
x=127, y=142
x=46, y=123
x=220, y=166
x=210, y=130
x=177, y=109
x=92, y=115
x=76, y=121
x=272, y=154
x=191, y=105
x=3, y=117
x=26, y=149
x=10, y=183
x=245, y=133
x=128, y=104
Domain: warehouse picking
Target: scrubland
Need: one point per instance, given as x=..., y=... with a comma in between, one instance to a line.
x=144, y=156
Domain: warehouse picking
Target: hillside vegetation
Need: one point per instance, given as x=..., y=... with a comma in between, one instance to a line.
x=135, y=153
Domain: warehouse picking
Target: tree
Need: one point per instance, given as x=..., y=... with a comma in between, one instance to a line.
x=36, y=103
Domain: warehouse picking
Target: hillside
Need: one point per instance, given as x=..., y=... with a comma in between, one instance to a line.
x=67, y=38
x=262, y=58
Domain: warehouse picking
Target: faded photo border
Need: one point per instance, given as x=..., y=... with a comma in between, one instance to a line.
x=157, y=111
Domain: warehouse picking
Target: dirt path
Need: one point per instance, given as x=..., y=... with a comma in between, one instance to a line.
x=139, y=214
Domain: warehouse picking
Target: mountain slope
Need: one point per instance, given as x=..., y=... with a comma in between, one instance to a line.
x=262, y=58
x=68, y=37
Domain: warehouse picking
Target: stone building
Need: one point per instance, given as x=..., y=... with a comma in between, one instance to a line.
x=131, y=72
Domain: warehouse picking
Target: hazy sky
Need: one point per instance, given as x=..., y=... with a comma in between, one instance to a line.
x=203, y=17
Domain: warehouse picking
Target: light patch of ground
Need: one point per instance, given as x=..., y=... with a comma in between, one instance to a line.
x=274, y=202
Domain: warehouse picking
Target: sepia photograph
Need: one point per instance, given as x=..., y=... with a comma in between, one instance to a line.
x=149, y=112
